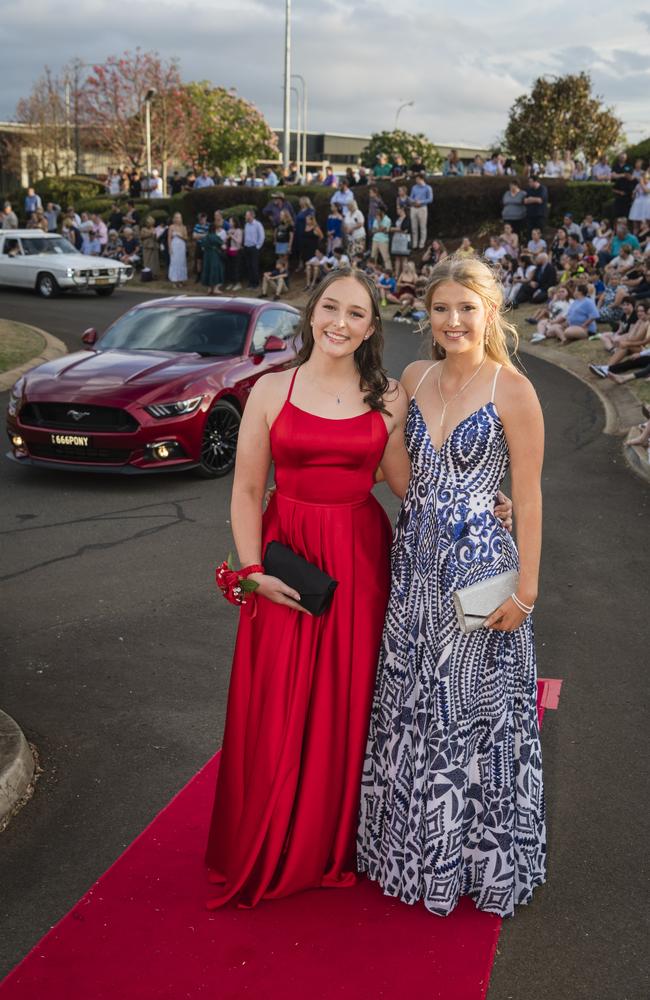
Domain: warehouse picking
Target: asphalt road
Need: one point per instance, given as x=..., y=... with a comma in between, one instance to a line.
x=117, y=652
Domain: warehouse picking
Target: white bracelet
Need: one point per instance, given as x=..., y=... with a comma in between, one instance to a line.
x=520, y=604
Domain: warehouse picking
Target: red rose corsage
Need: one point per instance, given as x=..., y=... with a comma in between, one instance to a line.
x=234, y=583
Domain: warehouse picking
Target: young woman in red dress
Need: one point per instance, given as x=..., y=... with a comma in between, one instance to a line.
x=287, y=798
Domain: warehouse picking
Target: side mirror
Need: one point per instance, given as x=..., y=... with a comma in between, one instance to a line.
x=274, y=343
x=89, y=337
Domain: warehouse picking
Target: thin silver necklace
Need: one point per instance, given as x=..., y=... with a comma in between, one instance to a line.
x=336, y=394
x=446, y=403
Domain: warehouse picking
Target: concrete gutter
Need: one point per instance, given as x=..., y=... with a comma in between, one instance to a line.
x=622, y=408
x=54, y=348
x=17, y=769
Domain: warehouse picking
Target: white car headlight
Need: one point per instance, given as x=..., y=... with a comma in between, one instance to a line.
x=178, y=409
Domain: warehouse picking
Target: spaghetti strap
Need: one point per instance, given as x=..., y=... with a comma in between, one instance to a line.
x=293, y=379
x=430, y=368
x=494, y=383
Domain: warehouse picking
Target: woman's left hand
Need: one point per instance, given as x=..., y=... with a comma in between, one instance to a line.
x=503, y=510
x=506, y=618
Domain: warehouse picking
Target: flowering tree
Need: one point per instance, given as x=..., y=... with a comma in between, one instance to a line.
x=231, y=132
x=561, y=113
x=409, y=144
x=112, y=102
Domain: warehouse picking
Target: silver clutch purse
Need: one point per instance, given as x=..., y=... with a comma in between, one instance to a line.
x=473, y=604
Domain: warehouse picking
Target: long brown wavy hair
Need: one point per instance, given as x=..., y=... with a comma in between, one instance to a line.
x=373, y=378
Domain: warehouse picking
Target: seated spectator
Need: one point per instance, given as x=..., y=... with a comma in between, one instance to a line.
x=574, y=248
x=637, y=366
x=452, y=165
x=559, y=245
x=113, y=248
x=536, y=287
x=589, y=229
x=558, y=306
x=310, y=240
x=277, y=279
x=380, y=238
x=405, y=284
x=334, y=228
x=398, y=169
x=315, y=267
x=476, y=166
x=131, y=253
x=536, y=243
x=623, y=262
x=434, y=252
x=632, y=332
x=571, y=226
x=522, y=275
x=493, y=167
x=382, y=167
x=465, y=249
x=554, y=165
x=37, y=220
x=580, y=320
x=338, y=258
x=496, y=251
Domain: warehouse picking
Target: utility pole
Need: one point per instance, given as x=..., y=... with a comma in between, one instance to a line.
x=301, y=138
x=294, y=90
x=149, y=96
x=286, y=154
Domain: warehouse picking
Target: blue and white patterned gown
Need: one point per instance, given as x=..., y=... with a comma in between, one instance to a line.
x=452, y=800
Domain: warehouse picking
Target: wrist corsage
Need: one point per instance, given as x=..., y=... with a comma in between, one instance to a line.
x=234, y=583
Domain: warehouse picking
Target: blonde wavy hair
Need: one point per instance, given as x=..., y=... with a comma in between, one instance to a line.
x=476, y=275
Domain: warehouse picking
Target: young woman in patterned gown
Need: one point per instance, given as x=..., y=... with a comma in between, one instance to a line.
x=452, y=798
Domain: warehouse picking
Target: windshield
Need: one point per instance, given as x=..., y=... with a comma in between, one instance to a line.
x=43, y=244
x=215, y=332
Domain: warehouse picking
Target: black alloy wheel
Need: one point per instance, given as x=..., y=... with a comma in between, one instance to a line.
x=47, y=286
x=219, y=443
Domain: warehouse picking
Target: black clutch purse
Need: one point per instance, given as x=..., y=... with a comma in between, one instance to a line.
x=316, y=588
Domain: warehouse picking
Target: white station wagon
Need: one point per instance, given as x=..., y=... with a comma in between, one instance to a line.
x=49, y=263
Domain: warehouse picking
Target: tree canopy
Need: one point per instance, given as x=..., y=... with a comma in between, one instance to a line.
x=409, y=144
x=230, y=132
x=561, y=113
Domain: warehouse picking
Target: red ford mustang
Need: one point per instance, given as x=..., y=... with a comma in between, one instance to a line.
x=164, y=388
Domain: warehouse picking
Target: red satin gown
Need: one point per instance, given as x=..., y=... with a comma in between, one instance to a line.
x=287, y=799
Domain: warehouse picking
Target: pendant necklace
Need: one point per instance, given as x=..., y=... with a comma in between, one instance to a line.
x=445, y=404
x=336, y=394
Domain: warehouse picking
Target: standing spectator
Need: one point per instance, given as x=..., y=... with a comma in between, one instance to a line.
x=398, y=169
x=177, y=244
x=514, y=208
x=330, y=179
x=567, y=165
x=131, y=216
x=362, y=180
x=283, y=234
x=382, y=167
x=417, y=166
x=71, y=231
x=212, y=273
x=196, y=253
x=135, y=184
x=113, y=182
x=310, y=240
x=381, y=226
x=175, y=183
x=601, y=170
x=354, y=228
x=623, y=184
x=536, y=202
x=150, y=251
x=334, y=228
x=402, y=198
x=292, y=174
x=9, y=217
x=116, y=217
x=453, y=166
x=32, y=202
x=253, y=243
x=113, y=249
x=580, y=171
x=270, y=178
x=343, y=196
x=155, y=185
x=100, y=228
x=421, y=197
x=234, y=240
x=51, y=213
x=375, y=201
x=305, y=209
x=493, y=167
x=277, y=205
x=640, y=210
x=400, y=243
x=554, y=165
x=351, y=177
x=203, y=180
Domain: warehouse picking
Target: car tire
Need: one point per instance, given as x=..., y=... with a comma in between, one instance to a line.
x=103, y=292
x=47, y=285
x=219, y=441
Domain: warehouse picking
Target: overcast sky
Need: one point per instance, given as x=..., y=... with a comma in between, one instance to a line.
x=462, y=64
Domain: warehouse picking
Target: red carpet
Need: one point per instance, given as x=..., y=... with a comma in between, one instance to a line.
x=142, y=932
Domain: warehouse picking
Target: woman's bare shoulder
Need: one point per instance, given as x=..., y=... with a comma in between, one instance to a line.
x=515, y=392
x=272, y=387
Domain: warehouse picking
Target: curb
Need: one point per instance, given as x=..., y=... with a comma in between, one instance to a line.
x=54, y=348
x=17, y=767
x=620, y=404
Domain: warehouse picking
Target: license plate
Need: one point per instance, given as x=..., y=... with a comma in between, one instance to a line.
x=101, y=281
x=71, y=440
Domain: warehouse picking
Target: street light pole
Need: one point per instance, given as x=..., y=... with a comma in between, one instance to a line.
x=294, y=90
x=407, y=104
x=301, y=140
x=148, y=98
x=287, y=85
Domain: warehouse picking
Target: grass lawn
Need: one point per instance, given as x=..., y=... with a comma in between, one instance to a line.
x=18, y=343
x=588, y=351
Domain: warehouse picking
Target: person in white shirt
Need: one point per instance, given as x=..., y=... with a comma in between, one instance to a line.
x=554, y=166
x=601, y=170
x=270, y=178
x=155, y=185
x=343, y=197
x=253, y=242
x=536, y=244
x=203, y=180
x=355, y=230
x=496, y=251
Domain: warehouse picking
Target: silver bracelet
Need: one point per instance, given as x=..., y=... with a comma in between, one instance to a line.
x=520, y=604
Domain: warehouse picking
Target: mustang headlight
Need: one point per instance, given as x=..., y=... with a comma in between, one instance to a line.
x=179, y=409
x=15, y=397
